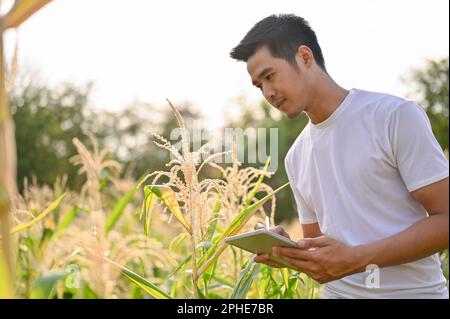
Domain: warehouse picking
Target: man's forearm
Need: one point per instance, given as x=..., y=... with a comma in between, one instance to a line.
x=422, y=239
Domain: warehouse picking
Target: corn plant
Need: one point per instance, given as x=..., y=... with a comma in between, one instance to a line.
x=166, y=242
x=207, y=210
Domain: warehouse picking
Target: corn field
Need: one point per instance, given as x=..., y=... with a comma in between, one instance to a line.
x=158, y=237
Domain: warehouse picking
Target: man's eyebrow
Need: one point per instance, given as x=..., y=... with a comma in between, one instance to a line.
x=261, y=74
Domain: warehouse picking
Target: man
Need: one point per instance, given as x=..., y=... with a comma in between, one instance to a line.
x=369, y=178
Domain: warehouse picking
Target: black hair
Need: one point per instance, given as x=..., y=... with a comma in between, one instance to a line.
x=282, y=34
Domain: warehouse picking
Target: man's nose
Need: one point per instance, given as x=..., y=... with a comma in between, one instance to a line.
x=268, y=92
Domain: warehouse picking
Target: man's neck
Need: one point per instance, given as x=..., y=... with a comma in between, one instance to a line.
x=328, y=97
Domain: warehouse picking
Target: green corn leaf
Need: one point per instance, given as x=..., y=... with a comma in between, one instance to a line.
x=247, y=276
x=167, y=196
x=285, y=275
x=258, y=183
x=88, y=292
x=241, y=219
x=180, y=266
x=237, y=224
x=147, y=209
x=173, y=288
x=67, y=219
x=305, y=288
x=264, y=281
x=219, y=229
x=213, y=224
x=185, y=261
x=38, y=218
x=275, y=286
x=291, y=288
x=223, y=281
x=176, y=242
x=46, y=235
x=119, y=208
x=201, y=295
x=44, y=286
x=209, y=274
x=143, y=283
x=212, y=295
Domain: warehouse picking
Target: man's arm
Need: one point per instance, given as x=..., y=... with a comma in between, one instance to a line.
x=426, y=237
x=326, y=259
x=311, y=230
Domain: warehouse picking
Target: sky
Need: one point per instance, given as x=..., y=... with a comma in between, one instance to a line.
x=142, y=50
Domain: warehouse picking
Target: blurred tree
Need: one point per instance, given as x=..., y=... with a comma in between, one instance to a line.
x=46, y=121
x=48, y=118
x=430, y=89
x=127, y=133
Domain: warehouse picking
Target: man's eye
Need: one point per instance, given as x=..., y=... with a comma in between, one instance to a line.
x=269, y=77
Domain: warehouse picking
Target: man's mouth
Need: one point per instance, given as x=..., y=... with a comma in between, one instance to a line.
x=279, y=103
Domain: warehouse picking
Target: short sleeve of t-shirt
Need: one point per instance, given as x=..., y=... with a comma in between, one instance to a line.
x=418, y=156
x=305, y=213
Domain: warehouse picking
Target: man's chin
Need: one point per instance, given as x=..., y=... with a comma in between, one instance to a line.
x=292, y=115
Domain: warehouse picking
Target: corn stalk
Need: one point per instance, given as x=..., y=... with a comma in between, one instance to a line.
x=21, y=10
x=8, y=187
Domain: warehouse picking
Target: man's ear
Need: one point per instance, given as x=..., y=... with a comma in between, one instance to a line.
x=304, y=56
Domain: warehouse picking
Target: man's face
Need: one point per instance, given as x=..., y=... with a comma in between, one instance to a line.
x=281, y=83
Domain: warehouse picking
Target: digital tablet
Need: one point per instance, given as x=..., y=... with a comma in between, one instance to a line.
x=261, y=241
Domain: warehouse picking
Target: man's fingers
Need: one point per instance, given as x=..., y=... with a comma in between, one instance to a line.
x=301, y=265
x=321, y=241
x=298, y=264
x=292, y=253
x=278, y=229
x=265, y=259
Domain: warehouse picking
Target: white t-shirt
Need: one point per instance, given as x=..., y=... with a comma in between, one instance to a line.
x=353, y=174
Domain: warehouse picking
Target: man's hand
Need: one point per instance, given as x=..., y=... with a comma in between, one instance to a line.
x=264, y=258
x=278, y=229
x=323, y=258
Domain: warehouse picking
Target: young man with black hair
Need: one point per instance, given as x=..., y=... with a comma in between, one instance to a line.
x=369, y=178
